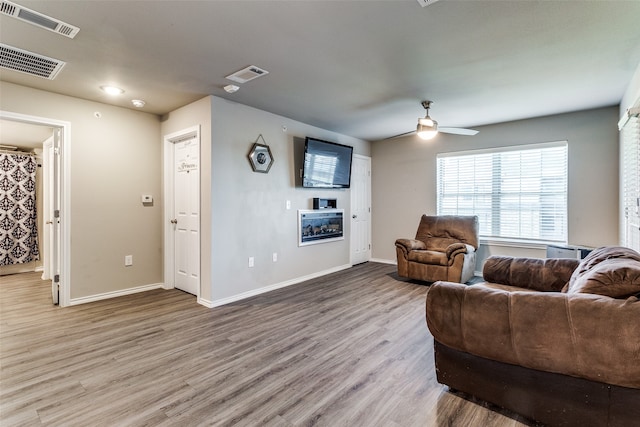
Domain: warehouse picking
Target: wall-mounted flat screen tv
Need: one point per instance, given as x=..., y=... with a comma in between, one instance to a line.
x=326, y=164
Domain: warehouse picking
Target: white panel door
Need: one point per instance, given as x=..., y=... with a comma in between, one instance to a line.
x=360, y=209
x=186, y=218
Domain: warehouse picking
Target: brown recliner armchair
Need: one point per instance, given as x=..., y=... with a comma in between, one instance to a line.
x=444, y=249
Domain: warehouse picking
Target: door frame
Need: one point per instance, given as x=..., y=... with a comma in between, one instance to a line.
x=169, y=247
x=47, y=193
x=352, y=240
x=64, y=190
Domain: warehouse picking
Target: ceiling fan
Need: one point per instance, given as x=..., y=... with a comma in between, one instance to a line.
x=428, y=128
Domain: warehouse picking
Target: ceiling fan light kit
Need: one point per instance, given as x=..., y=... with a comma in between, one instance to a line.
x=427, y=128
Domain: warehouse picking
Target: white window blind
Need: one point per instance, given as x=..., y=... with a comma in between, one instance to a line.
x=518, y=193
x=631, y=182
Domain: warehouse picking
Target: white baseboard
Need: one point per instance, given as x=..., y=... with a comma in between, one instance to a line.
x=384, y=261
x=252, y=293
x=205, y=302
x=114, y=294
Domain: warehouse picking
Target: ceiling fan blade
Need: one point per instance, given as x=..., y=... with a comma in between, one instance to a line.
x=400, y=134
x=458, y=131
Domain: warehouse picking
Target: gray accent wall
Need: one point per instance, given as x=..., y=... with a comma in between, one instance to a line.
x=404, y=178
x=248, y=209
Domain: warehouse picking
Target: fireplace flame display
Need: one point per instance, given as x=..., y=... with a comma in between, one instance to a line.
x=320, y=227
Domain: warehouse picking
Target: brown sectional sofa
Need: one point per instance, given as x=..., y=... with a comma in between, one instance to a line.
x=555, y=340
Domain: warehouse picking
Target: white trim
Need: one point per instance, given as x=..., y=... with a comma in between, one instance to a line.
x=169, y=261
x=518, y=243
x=255, y=292
x=65, y=195
x=205, y=302
x=115, y=294
x=384, y=261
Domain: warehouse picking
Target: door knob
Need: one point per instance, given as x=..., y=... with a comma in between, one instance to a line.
x=174, y=221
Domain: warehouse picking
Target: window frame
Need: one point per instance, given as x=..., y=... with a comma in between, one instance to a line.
x=497, y=198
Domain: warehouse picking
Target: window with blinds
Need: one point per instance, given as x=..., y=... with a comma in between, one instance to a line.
x=630, y=164
x=518, y=193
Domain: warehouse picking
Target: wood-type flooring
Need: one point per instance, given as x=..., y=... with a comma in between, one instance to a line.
x=348, y=349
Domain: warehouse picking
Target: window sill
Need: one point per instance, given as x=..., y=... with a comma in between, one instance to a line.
x=514, y=243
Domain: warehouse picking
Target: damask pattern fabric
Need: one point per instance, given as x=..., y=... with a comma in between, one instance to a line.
x=18, y=222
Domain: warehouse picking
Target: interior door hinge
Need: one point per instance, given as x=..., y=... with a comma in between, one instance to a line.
x=56, y=278
x=56, y=213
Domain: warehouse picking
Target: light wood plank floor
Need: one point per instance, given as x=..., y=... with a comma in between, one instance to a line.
x=348, y=349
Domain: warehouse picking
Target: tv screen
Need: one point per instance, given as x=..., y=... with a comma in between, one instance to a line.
x=326, y=164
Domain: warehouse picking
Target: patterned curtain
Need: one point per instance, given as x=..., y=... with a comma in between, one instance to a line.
x=18, y=224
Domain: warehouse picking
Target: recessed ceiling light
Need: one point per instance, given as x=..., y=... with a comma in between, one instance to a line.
x=138, y=103
x=112, y=90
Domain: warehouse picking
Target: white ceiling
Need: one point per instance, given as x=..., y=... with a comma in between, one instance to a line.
x=360, y=68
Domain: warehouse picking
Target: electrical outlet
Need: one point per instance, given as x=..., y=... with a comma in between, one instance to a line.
x=275, y=257
x=128, y=260
x=251, y=262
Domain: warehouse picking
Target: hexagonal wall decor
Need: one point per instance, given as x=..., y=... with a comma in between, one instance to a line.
x=260, y=157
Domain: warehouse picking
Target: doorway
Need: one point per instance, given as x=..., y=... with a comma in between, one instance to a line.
x=360, y=209
x=56, y=191
x=182, y=210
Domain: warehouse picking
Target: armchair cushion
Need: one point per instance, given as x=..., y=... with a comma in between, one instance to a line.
x=429, y=257
x=438, y=232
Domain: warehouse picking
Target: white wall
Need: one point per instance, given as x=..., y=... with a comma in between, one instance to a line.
x=248, y=213
x=404, y=177
x=114, y=160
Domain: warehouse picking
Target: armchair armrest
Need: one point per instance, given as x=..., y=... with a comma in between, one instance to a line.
x=548, y=275
x=458, y=248
x=410, y=244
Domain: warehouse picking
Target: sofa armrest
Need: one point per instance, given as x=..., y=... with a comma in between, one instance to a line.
x=548, y=275
x=409, y=245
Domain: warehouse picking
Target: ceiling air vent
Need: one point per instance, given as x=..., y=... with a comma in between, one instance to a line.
x=36, y=18
x=424, y=3
x=247, y=74
x=27, y=62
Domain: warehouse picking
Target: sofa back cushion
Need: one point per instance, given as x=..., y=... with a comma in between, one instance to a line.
x=611, y=271
x=531, y=273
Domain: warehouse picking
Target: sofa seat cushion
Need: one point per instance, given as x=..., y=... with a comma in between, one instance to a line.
x=610, y=271
x=582, y=335
x=429, y=257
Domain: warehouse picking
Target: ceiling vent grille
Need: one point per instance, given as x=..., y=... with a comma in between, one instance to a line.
x=36, y=18
x=424, y=3
x=27, y=62
x=247, y=74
